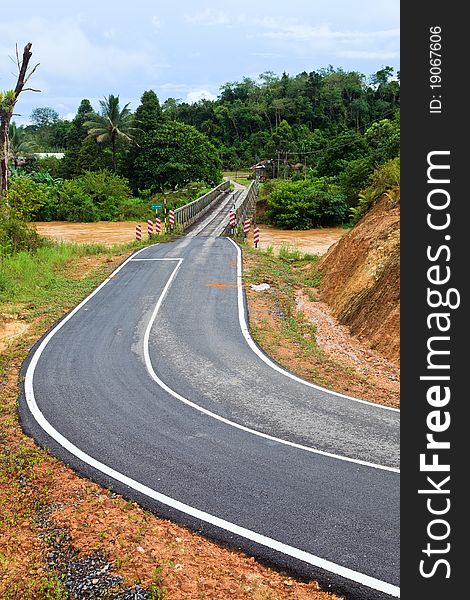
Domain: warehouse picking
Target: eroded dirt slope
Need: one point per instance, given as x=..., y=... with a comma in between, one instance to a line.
x=361, y=277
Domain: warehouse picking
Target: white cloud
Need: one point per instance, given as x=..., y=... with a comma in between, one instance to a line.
x=209, y=17
x=196, y=95
x=266, y=54
x=156, y=23
x=369, y=55
x=171, y=88
x=65, y=51
x=322, y=39
x=110, y=34
x=302, y=33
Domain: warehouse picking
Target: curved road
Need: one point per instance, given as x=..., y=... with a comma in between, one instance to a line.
x=153, y=385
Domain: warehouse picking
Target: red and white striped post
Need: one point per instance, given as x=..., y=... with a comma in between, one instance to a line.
x=150, y=227
x=172, y=219
x=158, y=226
x=246, y=227
x=256, y=236
x=138, y=233
x=232, y=221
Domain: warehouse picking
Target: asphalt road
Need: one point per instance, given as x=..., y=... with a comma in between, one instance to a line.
x=152, y=386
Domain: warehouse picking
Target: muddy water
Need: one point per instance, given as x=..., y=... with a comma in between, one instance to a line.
x=103, y=232
x=315, y=241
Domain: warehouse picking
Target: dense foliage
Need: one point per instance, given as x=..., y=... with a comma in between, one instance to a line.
x=172, y=155
x=295, y=116
x=16, y=236
x=90, y=197
x=306, y=204
x=323, y=134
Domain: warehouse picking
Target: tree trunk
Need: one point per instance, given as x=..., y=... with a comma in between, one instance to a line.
x=4, y=124
x=113, y=143
x=6, y=113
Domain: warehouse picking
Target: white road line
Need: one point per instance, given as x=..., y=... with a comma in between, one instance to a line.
x=164, y=386
x=151, y=259
x=266, y=359
x=296, y=553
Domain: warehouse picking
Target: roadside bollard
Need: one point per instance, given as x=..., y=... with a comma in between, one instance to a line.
x=246, y=227
x=150, y=227
x=256, y=236
x=158, y=225
x=138, y=233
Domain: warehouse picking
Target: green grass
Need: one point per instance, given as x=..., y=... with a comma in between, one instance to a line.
x=288, y=271
x=290, y=268
x=242, y=177
x=41, y=277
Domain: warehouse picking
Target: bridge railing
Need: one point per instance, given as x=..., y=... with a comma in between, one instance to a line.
x=186, y=215
x=246, y=205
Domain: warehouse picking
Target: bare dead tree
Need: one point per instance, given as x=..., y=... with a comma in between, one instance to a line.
x=8, y=101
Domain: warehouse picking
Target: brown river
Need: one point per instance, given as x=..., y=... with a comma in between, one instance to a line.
x=314, y=241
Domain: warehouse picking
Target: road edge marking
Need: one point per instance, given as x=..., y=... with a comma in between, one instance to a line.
x=166, y=388
x=265, y=358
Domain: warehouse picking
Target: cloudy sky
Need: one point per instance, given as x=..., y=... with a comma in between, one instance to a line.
x=186, y=48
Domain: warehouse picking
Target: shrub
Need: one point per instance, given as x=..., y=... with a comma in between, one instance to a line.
x=106, y=191
x=75, y=205
x=26, y=197
x=16, y=235
x=385, y=178
x=93, y=196
x=305, y=204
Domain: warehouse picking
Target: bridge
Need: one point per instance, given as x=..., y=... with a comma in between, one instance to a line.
x=209, y=214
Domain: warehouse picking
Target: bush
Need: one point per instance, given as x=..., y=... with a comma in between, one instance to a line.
x=353, y=178
x=305, y=204
x=16, y=235
x=75, y=205
x=106, y=191
x=26, y=197
x=94, y=196
x=384, y=179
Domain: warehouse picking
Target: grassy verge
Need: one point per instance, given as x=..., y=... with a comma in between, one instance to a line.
x=58, y=530
x=285, y=272
x=284, y=331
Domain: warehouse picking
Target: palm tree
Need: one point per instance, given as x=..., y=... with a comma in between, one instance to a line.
x=19, y=144
x=112, y=124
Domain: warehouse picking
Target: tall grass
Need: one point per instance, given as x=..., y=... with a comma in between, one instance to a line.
x=25, y=276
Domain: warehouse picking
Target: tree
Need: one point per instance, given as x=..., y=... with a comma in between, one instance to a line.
x=20, y=144
x=172, y=155
x=112, y=124
x=75, y=140
x=48, y=130
x=383, y=139
x=44, y=116
x=8, y=101
x=149, y=113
